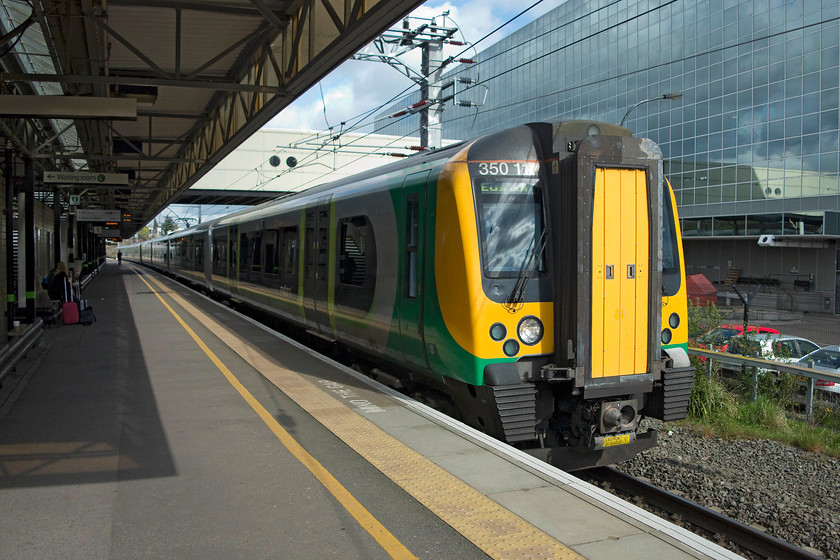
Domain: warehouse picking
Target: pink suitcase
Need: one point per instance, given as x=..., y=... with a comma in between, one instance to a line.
x=70, y=313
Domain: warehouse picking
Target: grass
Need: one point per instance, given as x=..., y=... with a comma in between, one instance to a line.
x=717, y=411
x=726, y=411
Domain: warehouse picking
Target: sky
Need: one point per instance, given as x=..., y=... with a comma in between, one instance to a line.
x=357, y=87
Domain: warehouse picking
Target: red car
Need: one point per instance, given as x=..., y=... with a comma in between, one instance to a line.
x=719, y=337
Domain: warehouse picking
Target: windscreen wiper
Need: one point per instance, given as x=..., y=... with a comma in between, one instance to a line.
x=526, y=272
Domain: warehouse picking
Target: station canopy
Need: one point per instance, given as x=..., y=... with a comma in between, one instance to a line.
x=148, y=95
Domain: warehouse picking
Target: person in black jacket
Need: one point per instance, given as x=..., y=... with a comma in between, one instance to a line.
x=62, y=285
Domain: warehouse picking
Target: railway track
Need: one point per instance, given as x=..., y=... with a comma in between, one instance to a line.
x=747, y=537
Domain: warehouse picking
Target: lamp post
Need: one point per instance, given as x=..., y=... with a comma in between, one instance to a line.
x=669, y=96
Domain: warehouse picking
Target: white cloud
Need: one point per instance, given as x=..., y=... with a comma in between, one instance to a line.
x=358, y=87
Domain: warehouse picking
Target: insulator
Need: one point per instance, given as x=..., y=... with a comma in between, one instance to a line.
x=420, y=104
x=466, y=60
x=465, y=80
x=457, y=43
x=418, y=148
x=466, y=103
x=396, y=154
x=401, y=113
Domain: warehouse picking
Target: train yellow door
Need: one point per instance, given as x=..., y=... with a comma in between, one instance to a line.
x=620, y=275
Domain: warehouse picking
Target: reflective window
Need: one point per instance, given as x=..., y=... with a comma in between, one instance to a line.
x=511, y=224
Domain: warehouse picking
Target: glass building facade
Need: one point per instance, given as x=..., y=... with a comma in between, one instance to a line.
x=753, y=146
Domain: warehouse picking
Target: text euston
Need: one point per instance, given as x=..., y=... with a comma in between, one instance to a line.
x=507, y=188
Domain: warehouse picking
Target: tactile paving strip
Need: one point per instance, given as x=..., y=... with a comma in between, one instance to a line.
x=491, y=527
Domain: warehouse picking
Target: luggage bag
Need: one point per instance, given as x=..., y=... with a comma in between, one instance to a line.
x=69, y=310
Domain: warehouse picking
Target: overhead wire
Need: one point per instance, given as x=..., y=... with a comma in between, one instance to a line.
x=362, y=119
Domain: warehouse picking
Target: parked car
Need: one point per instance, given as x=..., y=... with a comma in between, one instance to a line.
x=719, y=337
x=771, y=346
x=824, y=359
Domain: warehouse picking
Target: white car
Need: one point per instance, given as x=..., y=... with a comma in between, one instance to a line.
x=824, y=359
x=768, y=346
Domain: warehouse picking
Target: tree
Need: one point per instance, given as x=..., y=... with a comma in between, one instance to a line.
x=168, y=226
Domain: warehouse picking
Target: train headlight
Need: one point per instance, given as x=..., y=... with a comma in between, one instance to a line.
x=666, y=336
x=530, y=330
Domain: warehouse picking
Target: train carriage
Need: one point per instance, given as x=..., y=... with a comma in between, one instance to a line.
x=530, y=280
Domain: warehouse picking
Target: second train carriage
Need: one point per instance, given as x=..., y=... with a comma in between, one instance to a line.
x=532, y=278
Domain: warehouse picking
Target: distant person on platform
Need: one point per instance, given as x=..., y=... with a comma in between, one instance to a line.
x=119, y=257
x=62, y=284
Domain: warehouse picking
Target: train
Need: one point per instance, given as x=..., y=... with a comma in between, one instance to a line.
x=530, y=282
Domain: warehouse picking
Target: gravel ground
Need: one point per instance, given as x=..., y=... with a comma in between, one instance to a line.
x=789, y=493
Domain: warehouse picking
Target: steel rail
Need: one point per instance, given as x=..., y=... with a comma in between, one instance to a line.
x=742, y=534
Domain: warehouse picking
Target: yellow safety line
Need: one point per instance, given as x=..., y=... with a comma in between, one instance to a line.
x=497, y=531
x=386, y=540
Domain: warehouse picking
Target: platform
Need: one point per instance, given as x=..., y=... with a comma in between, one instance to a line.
x=174, y=427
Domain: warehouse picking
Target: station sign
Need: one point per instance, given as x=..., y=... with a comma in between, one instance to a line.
x=75, y=199
x=85, y=178
x=111, y=233
x=90, y=215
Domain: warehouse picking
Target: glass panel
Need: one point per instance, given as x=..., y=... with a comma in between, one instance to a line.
x=256, y=252
x=670, y=249
x=510, y=216
x=411, y=242
x=353, y=251
x=288, y=251
x=761, y=224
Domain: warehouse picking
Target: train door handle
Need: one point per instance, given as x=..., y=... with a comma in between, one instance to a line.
x=631, y=271
x=610, y=272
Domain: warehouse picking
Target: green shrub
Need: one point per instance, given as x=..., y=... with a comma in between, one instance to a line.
x=709, y=397
x=702, y=319
x=763, y=414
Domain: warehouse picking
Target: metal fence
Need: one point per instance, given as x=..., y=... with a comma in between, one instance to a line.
x=809, y=376
x=807, y=314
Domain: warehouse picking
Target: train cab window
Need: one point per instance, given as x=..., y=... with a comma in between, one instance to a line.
x=670, y=250
x=511, y=223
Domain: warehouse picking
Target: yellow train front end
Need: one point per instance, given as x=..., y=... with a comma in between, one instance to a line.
x=564, y=288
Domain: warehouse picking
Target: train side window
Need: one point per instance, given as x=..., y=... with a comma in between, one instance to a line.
x=199, y=253
x=219, y=254
x=352, y=252
x=244, y=252
x=232, y=255
x=412, y=213
x=255, y=251
x=270, y=242
x=356, y=272
x=289, y=251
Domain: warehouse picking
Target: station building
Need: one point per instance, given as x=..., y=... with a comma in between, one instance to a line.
x=751, y=147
